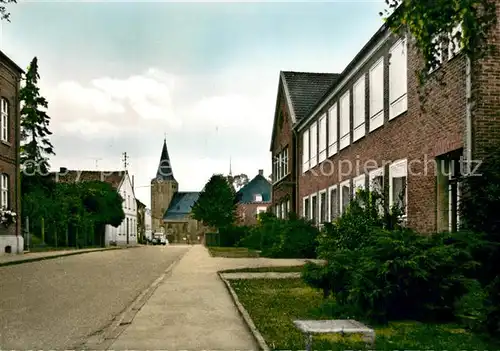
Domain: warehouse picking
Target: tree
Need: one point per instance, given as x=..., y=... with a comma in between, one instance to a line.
x=239, y=181
x=35, y=133
x=216, y=206
x=4, y=14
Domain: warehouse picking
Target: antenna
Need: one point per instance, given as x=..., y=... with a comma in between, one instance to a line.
x=125, y=160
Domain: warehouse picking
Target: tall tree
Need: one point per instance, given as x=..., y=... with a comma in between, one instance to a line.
x=216, y=206
x=35, y=144
x=4, y=14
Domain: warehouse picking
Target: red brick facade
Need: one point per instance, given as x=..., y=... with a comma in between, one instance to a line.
x=247, y=212
x=10, y=75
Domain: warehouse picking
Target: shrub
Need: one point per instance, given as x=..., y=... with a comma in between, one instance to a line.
x=472, y=307
x=232, y=234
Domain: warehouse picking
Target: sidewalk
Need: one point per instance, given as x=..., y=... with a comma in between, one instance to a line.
x=6, y=260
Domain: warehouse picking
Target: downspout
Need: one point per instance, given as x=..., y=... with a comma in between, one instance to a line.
x=296, y=168
x=468, y=114
x=18, y=165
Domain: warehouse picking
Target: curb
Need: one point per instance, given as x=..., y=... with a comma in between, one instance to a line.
x=42, y=258
x=246, y=317
x=104, y=338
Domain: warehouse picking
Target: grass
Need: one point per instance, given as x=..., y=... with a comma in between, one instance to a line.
x=289, y=269
x=232, y=252
x=274, y=303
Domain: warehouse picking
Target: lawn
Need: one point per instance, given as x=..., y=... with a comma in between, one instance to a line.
x=289, y=269
x=274, y=304
x=232, y=252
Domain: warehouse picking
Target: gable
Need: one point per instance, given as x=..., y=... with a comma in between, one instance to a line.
x=283, y=119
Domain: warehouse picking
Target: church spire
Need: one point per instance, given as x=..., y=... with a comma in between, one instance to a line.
x=164, y=171
x=230, y=168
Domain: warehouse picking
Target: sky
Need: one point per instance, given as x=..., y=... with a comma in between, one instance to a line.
x=121, y=75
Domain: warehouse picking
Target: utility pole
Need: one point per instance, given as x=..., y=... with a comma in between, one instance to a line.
x=125, y=160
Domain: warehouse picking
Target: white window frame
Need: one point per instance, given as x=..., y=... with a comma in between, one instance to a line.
x=322, y=132
x=282, y=211
x=256, y=197
x=4, y=112
x=261, y=209
x=329, y=197
x=342, y=184
x=395, y=168
x=358, y=182
x=313, y=137
x=312, y=196
x=372, y=175
x=305, y=151
x=288, y=207
x=376, y=112
x=358, y=109
x=304, y=214
x=345, y=120
x=320, y=217
x=280, y=166
x=398, y=72
x=4, y=180
x=454, y=51
x=332, y=130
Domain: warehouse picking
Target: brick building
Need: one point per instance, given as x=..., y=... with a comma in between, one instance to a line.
x=11, y=239
x=369, y=130
x=253, y=199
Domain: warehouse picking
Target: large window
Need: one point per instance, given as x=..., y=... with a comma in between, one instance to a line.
x=454, y=44
x=280, y=165
x=333, y=203
x=323, y=208
x=4, y=112
x=398, y=99
x=313, y=134
x=345, y=195
x=322, y=139
x=314, y=208
x=358, y=109
x=358, y=183
x=397, y=185
x=376, y=94
x=306, y=207
x=305, y=151
x=332, y=130
x=4, y=194
x=376, y=180
x=345, y=123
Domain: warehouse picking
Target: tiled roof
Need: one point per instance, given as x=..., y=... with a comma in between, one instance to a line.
x=181, y=205
x=258, y=185
x=73, y=176
x=306, y=88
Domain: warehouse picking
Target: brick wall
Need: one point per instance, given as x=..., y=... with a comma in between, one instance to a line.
x=415, y=135
x=285, y=188
x=247, y=212
x=9, y=151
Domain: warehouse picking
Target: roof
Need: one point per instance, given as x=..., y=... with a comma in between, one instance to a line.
x=181, y=205
x=258, y=185
x=140, y=204
x=115, y=178
x=164, y=171
x=14, y=65
x=305, y=89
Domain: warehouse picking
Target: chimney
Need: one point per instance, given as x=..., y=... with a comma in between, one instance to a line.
x=63, y=170
x=261, y=172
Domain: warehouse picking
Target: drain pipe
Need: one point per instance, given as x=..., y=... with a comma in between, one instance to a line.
x=468, y=114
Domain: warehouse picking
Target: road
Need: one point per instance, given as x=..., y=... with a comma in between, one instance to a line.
x=58, y=303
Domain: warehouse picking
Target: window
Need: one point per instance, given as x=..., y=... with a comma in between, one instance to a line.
x=345, y=195
x=313, y=132
x=261, y=209
x=280, y=165
x=398, y=100
x=314, y=208
x=437, y=41
x=4, y=195
x=306, y=208
x=288, y=209
x=283, y=210
x=333, y=203
x=277, y=211
x=322, y=139
x=358, y=183
x=376, y=94
x=128, y=203
x=332, y=130
x=5, y=119
x=257, y=198
x=455, y=41
x=345, y=123
x=358, y=129
x=397, y=185
x=305, y=151
x=376, y=180
x=323, y=208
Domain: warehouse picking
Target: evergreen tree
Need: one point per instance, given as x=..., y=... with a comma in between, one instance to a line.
x=216, y=206
x=35, y=144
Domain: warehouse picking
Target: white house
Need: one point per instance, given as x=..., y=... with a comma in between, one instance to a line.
x=148, y=224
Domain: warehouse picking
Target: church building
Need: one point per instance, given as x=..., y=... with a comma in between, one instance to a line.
x=171, y=208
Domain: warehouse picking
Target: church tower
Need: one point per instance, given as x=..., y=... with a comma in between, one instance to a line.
x=163, y=188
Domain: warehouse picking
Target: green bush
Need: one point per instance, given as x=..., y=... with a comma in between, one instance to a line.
x=231, y=235
x=472, y=307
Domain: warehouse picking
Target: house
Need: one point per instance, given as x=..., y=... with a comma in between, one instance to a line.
x=253, y=198
x=369, y=130
x=171, y=208
x=148, y=233
x=11, y=240
x=126, y=233
x=141, y=224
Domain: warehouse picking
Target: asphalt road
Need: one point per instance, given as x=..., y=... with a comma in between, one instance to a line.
x=58, y=303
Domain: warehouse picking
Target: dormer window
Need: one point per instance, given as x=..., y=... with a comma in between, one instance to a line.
x=258, y=198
